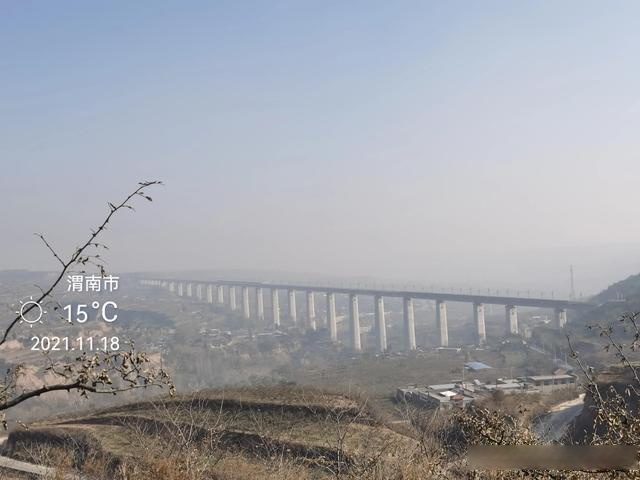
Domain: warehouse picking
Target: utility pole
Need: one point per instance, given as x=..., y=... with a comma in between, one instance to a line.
x=573, y=288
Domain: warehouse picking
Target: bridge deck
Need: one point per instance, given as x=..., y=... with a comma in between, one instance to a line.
x=416, y=294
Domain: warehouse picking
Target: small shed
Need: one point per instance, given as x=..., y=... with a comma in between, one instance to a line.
x=476, y=366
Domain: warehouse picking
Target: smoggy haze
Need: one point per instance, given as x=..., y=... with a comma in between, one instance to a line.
x=469, y=144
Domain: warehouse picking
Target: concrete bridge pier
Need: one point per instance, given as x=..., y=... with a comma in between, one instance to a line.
x=374, y=323
x=209, y=293
x=409, y=324
x=561, y=317
x=189, y=290
x=511, y=317
x=311, y=311
x=293, y=310
x=180, y=289
x=245, y=303
x=260, y=304
x=441, y=319
x=220, y=294
x=275, y=308
x=381, y=328
x=478, y=315
x=232, y=298
x=355, y=322
x=331, y=316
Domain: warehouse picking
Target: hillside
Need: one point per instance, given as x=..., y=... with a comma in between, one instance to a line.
x=627, y=289
x=616, y=385
x=274, y=432
x=616, y=300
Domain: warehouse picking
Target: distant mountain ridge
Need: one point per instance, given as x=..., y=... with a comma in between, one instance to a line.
x=624, y=290
x=619, y=298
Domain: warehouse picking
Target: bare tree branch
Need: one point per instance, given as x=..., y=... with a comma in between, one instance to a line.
x=77, y=257
x=41, y=236
x=103, y=372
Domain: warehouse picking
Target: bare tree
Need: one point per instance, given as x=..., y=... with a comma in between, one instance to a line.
x=100, y=372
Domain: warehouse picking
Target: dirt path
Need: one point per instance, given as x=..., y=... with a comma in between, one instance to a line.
x=39, y=470
x=554, y=424
x=569, y=403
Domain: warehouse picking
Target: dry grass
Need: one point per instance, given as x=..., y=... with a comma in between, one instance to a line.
x=273, y=432
x=526, y=405
x=7, y=474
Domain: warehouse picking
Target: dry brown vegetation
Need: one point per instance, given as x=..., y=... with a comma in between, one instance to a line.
x=310, y=433
x=245, y=433
x=528, y=405
x=274, y=433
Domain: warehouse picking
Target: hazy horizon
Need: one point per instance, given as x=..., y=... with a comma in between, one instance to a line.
x=489, y=145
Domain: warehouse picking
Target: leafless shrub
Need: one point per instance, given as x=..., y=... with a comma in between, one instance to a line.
x=181, y=439
x=615, y=405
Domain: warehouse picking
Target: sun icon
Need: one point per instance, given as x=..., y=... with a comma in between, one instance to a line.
x=30, y=311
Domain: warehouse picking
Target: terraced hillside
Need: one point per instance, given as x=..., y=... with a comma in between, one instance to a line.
x=243, y=433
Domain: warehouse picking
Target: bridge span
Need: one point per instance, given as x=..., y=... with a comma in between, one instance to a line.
x=214, y=291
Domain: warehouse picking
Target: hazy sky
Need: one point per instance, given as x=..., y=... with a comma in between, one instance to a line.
x=455, y=142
